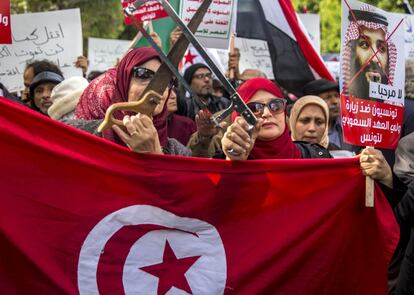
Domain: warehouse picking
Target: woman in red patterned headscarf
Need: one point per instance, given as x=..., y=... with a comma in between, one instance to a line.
x=126, y=83
x=270, y=138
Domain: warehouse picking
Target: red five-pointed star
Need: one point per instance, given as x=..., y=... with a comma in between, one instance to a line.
x=171, y=271
x=189, y=57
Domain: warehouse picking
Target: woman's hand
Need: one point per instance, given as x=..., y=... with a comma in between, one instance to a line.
x=141, y=135
x=237, y=142
x=374, y=165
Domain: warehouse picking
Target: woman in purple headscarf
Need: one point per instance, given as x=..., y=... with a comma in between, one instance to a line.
x=127, y=83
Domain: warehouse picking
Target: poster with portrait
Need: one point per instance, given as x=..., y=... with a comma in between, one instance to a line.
x=372, y=75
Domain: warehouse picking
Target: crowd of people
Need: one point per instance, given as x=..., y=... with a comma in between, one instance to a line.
x=181, y=124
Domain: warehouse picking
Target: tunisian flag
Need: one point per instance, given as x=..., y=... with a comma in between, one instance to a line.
x=79, y=215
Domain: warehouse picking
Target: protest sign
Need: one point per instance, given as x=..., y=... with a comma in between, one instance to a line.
x=55, y=36
x=372, y=79
x=105, y=53
x=409, y=36
x=254, y=54
x=310, y=23
x=217, y=23
x=5, y=27
x=150, y=10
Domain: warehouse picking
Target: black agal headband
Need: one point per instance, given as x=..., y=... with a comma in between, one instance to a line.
x=367, y=16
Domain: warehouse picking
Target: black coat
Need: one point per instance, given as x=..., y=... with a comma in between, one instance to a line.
x=405, y=216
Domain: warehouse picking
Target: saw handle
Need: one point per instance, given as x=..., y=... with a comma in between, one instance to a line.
x=146, y=105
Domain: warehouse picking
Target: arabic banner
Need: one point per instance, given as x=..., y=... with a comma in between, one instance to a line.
x=372, y=75
x=217, y=24
x=105, y=53
x=55, y=36
x=5, y=27
x=150, y=10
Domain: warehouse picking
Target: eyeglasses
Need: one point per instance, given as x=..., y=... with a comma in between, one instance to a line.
x=276, y=106
x=145, y=75
x=202, y=76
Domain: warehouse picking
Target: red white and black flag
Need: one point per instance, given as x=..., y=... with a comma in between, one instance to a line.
x=80, y=215
x=295, y=61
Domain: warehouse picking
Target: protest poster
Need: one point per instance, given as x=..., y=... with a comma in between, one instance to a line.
x=105, y=53
x=409, y=36
x=150, y=10
x=5, y=27
x=254, y=54
x=216, y=28
x=372, y=79
x=55, y=36
x=310, y=23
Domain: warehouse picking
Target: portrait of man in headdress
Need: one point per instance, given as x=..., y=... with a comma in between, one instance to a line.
x=368, y=54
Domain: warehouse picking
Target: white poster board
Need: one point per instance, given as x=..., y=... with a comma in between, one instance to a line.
x=217, y=24
x=105, y=53
x=311, y=25
x=55, y=36
x=254, y=54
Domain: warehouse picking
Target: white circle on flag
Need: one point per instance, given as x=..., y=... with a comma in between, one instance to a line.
x=186, y=236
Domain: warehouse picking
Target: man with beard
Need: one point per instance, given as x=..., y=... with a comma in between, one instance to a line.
x=200, y=78
x=366, y=35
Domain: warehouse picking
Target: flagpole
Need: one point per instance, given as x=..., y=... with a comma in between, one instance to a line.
x=369, y=191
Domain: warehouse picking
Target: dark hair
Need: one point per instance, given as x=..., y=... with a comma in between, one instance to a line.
x=94, y=74
x=45, y=65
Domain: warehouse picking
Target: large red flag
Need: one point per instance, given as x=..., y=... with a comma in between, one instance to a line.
x=82, y=215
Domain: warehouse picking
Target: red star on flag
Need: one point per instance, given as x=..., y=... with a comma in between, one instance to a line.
x=189, y=57
x=171, y=271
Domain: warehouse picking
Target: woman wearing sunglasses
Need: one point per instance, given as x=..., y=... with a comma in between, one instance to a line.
x=126, y=83
x=270, y=138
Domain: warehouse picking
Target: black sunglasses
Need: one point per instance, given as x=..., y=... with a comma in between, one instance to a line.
x=276, y=106
x=143, y=73
x=147, y=74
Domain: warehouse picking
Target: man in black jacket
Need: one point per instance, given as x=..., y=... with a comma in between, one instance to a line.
x=200, y=78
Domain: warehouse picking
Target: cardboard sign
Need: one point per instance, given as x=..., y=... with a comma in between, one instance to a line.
x=372, y=75
x=5, y=27
x=55, y=36
x=310, y=23
x=150, y=10
x=217, y=24
x=105, y=53
x=254, y=54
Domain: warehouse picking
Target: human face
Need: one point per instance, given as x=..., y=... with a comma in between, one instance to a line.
x=42, y=97
x=202, y=82
x=137, y=85
x=274, y=124
x=28, y=76
x=333, y=101
x=311, y=124
x=371, y=41
x=172, y=102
